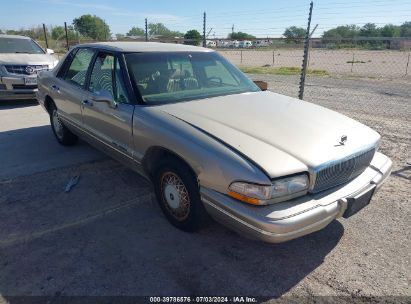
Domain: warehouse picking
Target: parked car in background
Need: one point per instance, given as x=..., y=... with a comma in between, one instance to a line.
x=211, y=141
x=233, y=44
x=21, y=58
x=211, y=43
x=262, y=43
x=245, y=44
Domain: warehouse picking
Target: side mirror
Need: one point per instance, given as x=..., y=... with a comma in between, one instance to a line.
x=261, y=84
x=49, y=51
x=105, y=96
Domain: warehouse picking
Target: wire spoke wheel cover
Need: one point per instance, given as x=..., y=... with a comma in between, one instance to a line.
x=175, y=196
x=57, y=125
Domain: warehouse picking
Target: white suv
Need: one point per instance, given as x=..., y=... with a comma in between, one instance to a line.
x=20, y=60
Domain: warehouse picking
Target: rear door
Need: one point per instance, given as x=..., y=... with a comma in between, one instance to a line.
x=69, y=86
x=107, y=110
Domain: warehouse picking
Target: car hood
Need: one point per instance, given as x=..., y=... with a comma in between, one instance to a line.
x=281, y=134
x=27, y=59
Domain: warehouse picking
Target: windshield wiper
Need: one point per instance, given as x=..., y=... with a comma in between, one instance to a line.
x=22, y=53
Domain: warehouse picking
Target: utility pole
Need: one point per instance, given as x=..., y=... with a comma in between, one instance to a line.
x=305, y=58
x=45, y=36
x=204, y=30
x=232, y=29
x=67, y=42
x=146, y=27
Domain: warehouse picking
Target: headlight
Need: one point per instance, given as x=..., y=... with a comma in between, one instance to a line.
x=279, y=190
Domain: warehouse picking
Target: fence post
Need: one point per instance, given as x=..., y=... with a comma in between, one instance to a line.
x=352, y=62
x=204, y=30
x=408, y=62
x=273, y=57
x=45, y=36
x=305, y=57
x=67, y=42
x=146, y=27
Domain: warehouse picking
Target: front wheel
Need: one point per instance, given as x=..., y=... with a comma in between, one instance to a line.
x=178, y=194
x=63, y=135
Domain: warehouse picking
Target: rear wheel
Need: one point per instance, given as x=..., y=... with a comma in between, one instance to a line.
x=63, y=135
x=178, y=194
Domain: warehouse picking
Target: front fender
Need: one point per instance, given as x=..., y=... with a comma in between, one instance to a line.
x=215, y=164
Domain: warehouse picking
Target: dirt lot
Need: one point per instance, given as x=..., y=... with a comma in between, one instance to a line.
x=376, y=64
x=108, y=237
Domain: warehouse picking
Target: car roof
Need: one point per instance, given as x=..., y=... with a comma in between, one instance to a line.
x=129, y=47
x=14, y=36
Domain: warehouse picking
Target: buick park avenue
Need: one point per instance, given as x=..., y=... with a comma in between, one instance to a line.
x=211, y=141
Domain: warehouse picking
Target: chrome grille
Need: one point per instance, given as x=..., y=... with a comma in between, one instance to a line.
x=25, y=69
x=343, y=171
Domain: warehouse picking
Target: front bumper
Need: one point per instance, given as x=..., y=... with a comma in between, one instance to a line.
x=15, y=88
x=289, y=220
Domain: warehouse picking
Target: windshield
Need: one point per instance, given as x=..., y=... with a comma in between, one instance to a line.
x=16, y=45
x=180, y=76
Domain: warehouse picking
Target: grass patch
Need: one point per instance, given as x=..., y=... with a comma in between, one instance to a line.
x=282, y=71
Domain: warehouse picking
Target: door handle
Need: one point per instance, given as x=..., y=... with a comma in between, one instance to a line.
x=87, y=103
x=55, y=88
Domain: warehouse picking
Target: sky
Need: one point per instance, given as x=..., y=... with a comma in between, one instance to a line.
x=262, y=18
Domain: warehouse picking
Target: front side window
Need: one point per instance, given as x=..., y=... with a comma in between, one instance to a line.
x=106, y=78
x=179, y=76
x=77, y=71
x=16, y=46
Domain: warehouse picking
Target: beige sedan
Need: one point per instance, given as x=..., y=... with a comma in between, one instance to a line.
x=212, y=142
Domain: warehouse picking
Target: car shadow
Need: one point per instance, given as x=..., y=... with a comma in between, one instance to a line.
x=11, y=104
x=107, y=237
x=30, y=150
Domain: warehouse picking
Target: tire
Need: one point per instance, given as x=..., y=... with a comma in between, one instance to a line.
x=178, y=195
x=63, y=135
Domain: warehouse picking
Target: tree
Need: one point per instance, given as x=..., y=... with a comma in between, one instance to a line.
x=120, y=36
x=390, y=30
x=342, y=31
x=369, y=30
x=92, y=26
x=405, y=29
x=59, y=33
x=136, y=31
x=193, y=36
x=294, y=33
x=35, y=32
x=159, y=29
x=240, y=36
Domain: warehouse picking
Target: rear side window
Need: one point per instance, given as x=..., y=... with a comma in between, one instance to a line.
x=77, y=71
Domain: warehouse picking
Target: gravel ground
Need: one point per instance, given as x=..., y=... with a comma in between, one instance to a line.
x=108, y=237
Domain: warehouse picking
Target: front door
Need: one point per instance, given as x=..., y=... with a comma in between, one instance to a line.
x=68, y=88
x=106, y=110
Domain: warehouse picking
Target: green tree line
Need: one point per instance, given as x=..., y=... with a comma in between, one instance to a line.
x=368, y=30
